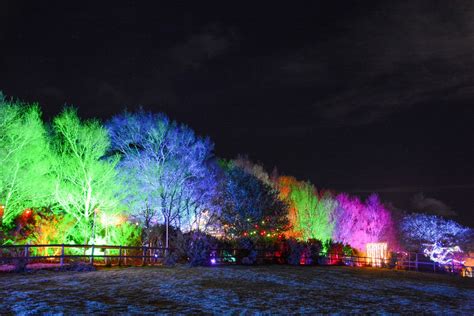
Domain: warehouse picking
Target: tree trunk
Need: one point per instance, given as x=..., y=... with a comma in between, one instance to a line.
x=166, y=235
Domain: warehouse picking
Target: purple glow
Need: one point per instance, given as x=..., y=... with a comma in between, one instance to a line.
x=358, y=223
x=213, y=260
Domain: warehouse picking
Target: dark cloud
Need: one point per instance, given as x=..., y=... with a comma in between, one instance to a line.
x=431, y=205
x=107, y=91
x=391, y=58
x=201, y=47
x=52, y=92
x=372, y=94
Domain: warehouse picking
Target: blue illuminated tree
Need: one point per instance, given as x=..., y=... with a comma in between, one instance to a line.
x=162, y=163
x=201, y=201
x=249, y=205
x=420, y=229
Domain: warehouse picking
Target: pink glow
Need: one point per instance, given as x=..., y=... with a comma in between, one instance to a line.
x=358, y=223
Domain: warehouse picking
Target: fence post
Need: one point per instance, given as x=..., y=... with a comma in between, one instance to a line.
x=125, y=258
x=91, y=261
x=120, y=256
x=27, y=253
x=106, y=259
x=409, y=261
x=416, y=261
x=61, y=261
x=143, y=255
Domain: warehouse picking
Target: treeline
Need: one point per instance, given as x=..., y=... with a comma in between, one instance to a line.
x=138, y=176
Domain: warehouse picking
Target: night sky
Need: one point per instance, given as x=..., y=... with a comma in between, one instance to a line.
x=354, y=96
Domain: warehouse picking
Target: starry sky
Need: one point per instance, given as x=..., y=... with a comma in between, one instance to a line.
x=353, y=96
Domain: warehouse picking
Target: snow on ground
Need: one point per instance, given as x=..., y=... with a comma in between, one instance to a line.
x=236, y=289
x=30, y=266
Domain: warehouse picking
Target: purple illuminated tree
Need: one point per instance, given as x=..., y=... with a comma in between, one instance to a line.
x=358, y=223
x=346, y=218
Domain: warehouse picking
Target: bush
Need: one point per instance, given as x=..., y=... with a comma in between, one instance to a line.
x=335, y=253
x=199, y=248
x=249, y=255
x=315, y=247
x=295, y=251
x=20, y=264
x=170, y=259
x=392, y=263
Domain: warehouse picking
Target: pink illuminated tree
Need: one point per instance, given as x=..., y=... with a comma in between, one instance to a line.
x=358, y=223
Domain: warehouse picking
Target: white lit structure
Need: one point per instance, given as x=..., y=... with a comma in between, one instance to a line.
x=376, y=253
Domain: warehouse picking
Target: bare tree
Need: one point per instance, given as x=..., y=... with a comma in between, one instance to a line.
x=161, y=161
x=85, y=180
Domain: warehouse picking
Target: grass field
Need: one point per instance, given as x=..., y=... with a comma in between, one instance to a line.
x=237, y=289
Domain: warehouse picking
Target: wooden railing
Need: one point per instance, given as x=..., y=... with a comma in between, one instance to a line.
x=411, y=261
x=62, y=254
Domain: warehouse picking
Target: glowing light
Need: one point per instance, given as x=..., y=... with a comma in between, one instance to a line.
x=376, y=253
x=213, y=261
x=467, y=269
x=111, y=220
x=443, y=255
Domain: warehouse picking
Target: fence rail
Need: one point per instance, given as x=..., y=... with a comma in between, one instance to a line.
x=63, y=254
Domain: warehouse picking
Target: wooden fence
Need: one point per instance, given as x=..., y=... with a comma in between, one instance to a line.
x=94, y=254
x=61, y=255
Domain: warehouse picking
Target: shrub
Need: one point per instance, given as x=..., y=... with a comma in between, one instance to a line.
x=199, y=248
x=315, y=247
x=295, y=251
x=249, y=255
x=20, y=264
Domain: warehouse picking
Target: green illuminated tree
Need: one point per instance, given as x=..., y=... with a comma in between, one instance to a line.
x=313, y=212
x=86, y=182
x=24, y=159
